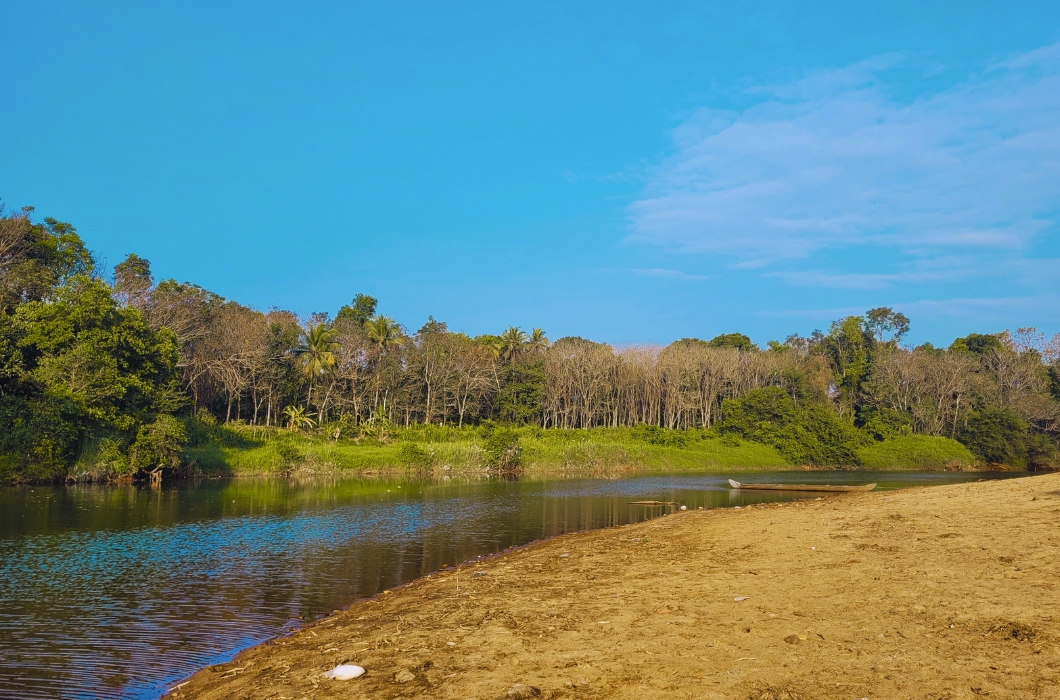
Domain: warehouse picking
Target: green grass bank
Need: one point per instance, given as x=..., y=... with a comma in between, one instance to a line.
x=255, y=451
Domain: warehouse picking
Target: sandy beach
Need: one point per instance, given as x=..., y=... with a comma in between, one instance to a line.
x=939, y=592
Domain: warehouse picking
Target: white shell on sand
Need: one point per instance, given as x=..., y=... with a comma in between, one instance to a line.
x=345, y=672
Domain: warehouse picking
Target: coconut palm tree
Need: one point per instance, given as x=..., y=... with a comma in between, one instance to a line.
x=513, y=342
x=384, y=332
x=538, y=342
x=317, y=354
x=317, y=351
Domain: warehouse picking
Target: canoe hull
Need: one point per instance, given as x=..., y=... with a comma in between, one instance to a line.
x=822, y=488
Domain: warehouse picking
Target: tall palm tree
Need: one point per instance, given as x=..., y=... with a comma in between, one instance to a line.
x=384, y=332
x=538, y=342
x=513, y=342
x=317, y=351
x=317, y=355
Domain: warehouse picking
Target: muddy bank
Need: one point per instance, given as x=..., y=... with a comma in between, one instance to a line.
x=941, y=592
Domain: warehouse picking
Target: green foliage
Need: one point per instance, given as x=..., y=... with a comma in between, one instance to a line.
x=916, y=452
x=879, y=322
x=502, y=449
x=158, y=445
x=654, y=435
x=74, y=369
x=733, y=340
x=1054, y=380
x=521, y=394
x=385, y=332
x=977, y=344
x=357, y=313
x=804, y=434
x=414, y=457
x=317, y=351
x=35, y=258
x=848, y=346
x=103, y=359
x=133, y=280
x=996, y=435
x=297, y=418
x=38, y=436
x=885, y=423
x=1000, y=436
x=512, y=343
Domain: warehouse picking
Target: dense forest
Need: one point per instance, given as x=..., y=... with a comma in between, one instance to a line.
x=113, y=371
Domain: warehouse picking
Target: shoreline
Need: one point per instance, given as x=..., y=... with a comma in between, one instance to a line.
x=942, y=589
x=530, y=472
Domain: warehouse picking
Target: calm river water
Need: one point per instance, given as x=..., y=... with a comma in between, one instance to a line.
x=122, y=591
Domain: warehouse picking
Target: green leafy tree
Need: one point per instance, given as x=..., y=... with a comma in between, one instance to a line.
x=356, y=313
x=997, y=435
x=733, y=340
x=848, y=346
x=884, y=322
x=977, y=344
x=36, y=258
x=159, y=445
x=133, y=281
x=79, y=367
x=804, y=434
x=521, y=394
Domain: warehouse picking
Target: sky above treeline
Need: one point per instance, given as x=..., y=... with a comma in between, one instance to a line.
x=627, y=172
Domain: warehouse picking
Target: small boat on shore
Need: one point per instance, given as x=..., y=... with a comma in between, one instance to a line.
x=803, y=487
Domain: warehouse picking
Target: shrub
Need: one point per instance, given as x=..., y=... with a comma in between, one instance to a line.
x=997, y=436
x=502, y=449
x=158, y=445
x=884, y=423
x=803, y=433
x=414, y=456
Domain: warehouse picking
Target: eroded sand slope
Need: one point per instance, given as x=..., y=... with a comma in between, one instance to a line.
x=941, y=592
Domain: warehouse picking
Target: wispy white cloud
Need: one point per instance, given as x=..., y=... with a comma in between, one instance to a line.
x=833, y=160
x=1002, y=311
x=860, y=280
x=670, y=274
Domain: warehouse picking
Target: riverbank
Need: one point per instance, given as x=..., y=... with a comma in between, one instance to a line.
x=256, y=451
x=946, y=591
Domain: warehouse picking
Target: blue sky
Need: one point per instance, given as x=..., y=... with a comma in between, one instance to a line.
x=628, y=172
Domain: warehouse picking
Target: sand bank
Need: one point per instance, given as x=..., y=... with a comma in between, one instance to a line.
x=939, y=592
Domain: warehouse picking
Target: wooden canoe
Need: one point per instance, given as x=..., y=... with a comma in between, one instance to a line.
x=802, y=487
x=653, y=503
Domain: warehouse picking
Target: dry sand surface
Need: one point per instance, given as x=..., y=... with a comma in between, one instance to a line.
x=939, y=592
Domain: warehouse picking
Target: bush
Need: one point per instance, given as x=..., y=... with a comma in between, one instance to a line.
x=502, y=449
x=997, y=436
x=885, y=423
x=803, y=433
x=159, y=445
x=413, y=456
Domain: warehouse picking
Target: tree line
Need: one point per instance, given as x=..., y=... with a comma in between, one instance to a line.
x=101, y=367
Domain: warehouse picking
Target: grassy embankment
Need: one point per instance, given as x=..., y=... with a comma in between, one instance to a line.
x=256, y=451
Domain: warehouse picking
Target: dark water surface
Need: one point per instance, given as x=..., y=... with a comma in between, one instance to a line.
x=122, y=591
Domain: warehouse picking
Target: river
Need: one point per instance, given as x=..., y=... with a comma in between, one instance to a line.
x=121, y=591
